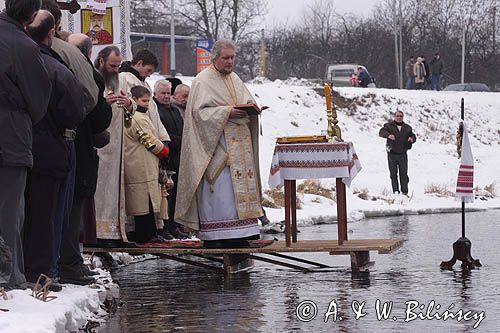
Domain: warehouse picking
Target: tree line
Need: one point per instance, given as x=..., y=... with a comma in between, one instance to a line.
x=302, y=49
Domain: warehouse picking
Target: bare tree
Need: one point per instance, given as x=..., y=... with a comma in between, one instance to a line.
x=242, y=16
x=204, y=16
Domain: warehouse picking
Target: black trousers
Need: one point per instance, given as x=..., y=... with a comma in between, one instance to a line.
x=398, y=162
x=13, y=180
x=145, y=226
x=40, y=248
x=172, y=196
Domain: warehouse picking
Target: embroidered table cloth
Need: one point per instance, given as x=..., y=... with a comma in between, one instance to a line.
x=314, y=161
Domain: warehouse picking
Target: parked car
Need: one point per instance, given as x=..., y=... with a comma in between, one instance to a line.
x=339, y=75
x=467, y=87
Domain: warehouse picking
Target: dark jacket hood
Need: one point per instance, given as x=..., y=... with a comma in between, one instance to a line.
x=126, y=67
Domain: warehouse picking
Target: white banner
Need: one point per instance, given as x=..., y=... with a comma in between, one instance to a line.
x=465, y=181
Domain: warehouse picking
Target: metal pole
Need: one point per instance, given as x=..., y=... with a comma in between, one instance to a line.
x=262, y=55
x=463, y=55
x=396, y=43
x=463, y=203
x=172, y=39
x=400, y=46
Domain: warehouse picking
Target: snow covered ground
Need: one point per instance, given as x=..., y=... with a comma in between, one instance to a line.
x=296, y=109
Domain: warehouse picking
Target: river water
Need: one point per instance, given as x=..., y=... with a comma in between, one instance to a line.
x=166, y=296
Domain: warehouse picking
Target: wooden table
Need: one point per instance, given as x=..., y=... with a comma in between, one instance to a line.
x=313, y=161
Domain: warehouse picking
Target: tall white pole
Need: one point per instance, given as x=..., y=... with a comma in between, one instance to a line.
x=172, y=39
x=396, y=43
x=401, y=71
x=463, y=55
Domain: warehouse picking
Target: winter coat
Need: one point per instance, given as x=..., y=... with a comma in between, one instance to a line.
x=426, y=67
x=401, y=144
x=87, y=160
x=364, y=79
x=436, y=66
x=173, y=122
x=419, y=71
x=409, y=68
x=24, y=92
x=51, y=153
x=79, y=65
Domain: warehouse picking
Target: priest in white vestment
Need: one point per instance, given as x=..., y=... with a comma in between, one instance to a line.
x=111, y=217
x=219, y=190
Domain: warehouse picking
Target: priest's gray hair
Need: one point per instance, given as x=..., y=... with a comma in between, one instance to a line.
x=220, y=45
x=165, y=83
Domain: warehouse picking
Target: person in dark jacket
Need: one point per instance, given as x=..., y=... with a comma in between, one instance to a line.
x=364, y=79
x=400, y=138
x=53, y=152
x=436, y=68
x=173, y=122
x=24, y=95
x=410, y=74
x=71, y=267
x=74, y=59
x=427, y=73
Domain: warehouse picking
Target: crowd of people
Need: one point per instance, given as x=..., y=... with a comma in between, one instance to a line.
x=91, y=154
x=422, y=75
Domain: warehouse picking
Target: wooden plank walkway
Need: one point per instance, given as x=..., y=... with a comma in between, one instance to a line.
x=383, y=246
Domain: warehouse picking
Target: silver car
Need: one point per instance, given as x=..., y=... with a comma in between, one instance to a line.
x=467, y=87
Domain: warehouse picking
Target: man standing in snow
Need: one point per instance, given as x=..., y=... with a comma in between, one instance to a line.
x=400, y=138
x=436, y=69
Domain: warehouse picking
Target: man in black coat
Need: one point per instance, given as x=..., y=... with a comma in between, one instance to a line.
x=71, y=267
x=400, y=138
x=24, y=95
x=173, y=122
x=54, y=157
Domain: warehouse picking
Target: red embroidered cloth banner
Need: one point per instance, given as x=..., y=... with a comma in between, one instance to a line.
x=465, y=180
x=314, y=161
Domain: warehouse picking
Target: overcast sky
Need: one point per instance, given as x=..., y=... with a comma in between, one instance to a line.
x=282, y=11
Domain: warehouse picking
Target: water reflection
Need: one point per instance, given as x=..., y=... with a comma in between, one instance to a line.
x=165, y=296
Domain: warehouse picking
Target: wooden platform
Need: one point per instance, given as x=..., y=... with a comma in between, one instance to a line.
x=382, y=246
x=239, y=259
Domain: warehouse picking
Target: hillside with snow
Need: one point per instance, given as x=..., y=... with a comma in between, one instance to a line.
x=295, y=108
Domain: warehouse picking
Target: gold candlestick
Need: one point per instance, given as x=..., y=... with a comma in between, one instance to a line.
x=333, y=130
x=329, y=129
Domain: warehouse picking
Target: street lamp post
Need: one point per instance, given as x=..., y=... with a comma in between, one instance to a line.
x=172, y=39
x=463, y=55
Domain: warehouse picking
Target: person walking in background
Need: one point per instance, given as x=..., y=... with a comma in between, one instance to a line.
x=24, y=95
x=410, y=74
x=427, y=81
x=400, y=139
x=419, y=72
x=436, y=67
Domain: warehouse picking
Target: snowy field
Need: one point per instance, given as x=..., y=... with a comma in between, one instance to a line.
x=296, y=109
